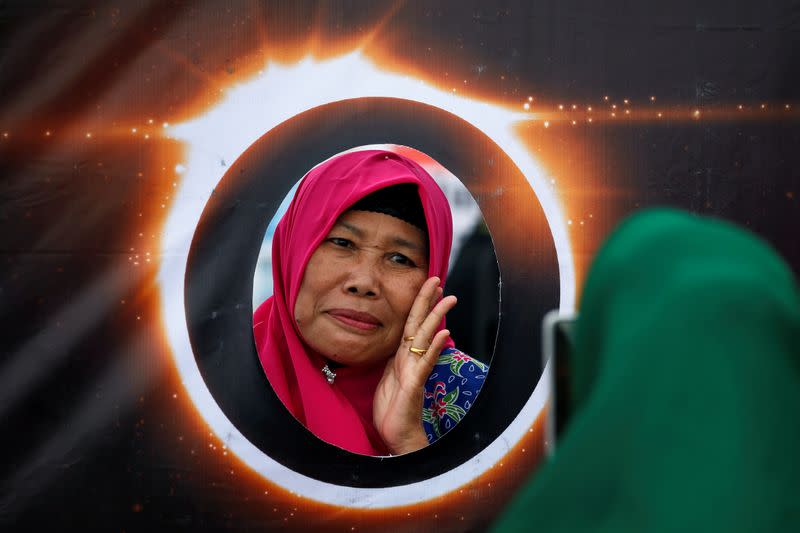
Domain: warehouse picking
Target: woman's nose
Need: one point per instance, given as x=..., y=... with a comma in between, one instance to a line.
x=363, y=279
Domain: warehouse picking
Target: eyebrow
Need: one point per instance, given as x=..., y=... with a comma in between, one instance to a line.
x=398, y=241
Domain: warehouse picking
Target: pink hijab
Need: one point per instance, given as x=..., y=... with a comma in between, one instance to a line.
x=340, y=414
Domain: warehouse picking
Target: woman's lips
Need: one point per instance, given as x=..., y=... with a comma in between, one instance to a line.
x=356, y=319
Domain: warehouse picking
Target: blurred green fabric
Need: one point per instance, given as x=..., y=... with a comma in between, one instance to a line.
x=686, y=389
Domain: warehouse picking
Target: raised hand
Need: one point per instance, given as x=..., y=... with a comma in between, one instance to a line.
x=397, y=407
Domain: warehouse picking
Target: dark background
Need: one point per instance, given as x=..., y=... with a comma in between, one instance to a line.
x=96, y=431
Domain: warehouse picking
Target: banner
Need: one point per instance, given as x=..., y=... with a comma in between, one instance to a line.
x=147, y=150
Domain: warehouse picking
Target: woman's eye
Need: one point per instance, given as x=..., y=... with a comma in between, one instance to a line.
x=401, y=259
x=338, y=241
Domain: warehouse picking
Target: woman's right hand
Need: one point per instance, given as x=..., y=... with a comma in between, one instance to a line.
x=397, y=406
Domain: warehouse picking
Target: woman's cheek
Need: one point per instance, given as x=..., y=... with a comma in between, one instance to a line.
x=302, y=311
x=407, y=288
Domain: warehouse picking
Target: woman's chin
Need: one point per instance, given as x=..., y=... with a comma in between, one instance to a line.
x=352, y=353
x=350, y=346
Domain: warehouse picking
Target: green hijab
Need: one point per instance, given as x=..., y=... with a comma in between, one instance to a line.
x=686, y=389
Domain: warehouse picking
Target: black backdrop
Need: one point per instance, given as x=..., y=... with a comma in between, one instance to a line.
x=97, y=431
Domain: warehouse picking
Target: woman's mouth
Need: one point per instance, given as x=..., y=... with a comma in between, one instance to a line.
x=356, y=319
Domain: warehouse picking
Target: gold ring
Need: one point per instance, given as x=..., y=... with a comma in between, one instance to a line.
x=409, y=338
x=419, y=351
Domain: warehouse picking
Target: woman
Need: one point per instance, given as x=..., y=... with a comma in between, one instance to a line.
x=685, y=387
x=353, y=338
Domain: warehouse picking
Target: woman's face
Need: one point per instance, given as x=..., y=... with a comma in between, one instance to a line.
x=359, y=285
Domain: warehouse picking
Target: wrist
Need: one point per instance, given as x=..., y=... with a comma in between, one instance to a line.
x=416, y=440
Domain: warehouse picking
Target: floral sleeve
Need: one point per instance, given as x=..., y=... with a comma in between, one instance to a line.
x=450, y=391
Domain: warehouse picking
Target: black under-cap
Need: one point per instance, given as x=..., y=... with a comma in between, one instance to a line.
x=400, y=201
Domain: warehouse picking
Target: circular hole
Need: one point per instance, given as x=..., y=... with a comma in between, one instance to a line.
x=218, y=292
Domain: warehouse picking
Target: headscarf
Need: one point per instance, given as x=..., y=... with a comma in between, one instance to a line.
x=686, y=387
x=340, y=414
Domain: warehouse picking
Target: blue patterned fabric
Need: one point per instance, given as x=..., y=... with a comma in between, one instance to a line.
x=450, y=391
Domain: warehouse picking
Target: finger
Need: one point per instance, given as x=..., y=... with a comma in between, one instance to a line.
x=428, y=360
x=436, y=297
x=428, y=327
x=423, y=343
x=421, y=306
x=431, y=304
